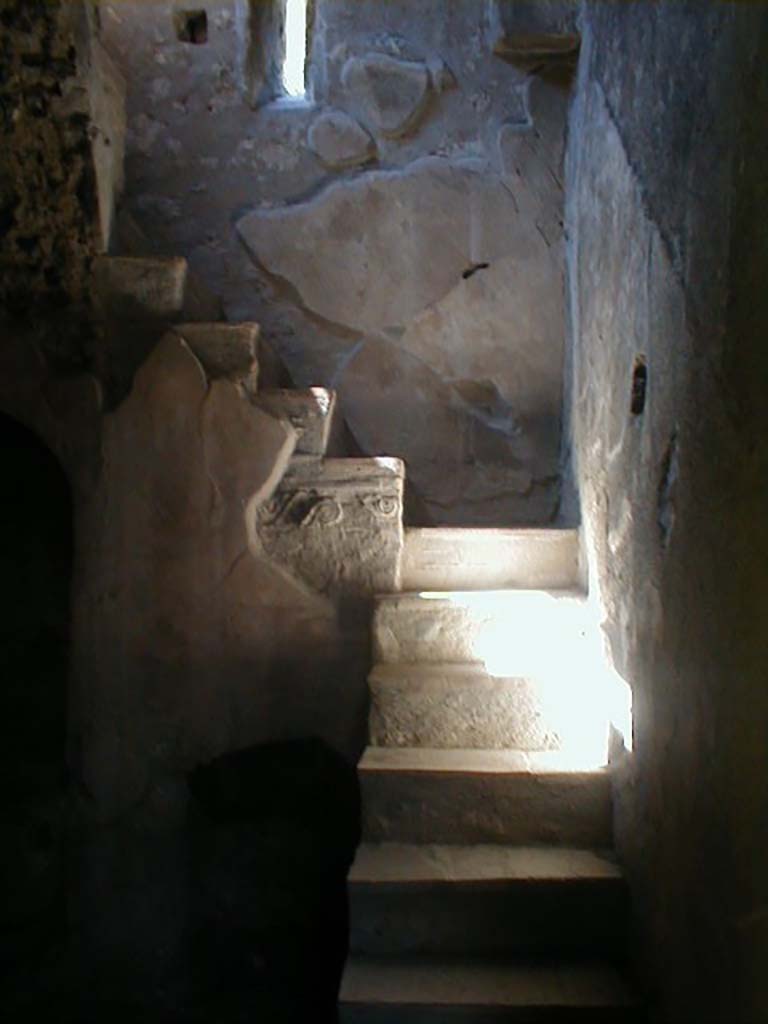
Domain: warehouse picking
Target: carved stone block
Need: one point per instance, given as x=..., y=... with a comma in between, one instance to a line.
x=337, y=524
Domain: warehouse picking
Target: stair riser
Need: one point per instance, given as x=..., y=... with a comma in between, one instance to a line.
x=586, y=917
x=431, y=807
x=400, y=1014
x=538, y=636
x=455, y=714
x=228, y=351
x=435, y=559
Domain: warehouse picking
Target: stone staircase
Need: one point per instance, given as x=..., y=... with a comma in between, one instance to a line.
x=485, y=888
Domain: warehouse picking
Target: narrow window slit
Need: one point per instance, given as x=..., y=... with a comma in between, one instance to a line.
x=295, y=60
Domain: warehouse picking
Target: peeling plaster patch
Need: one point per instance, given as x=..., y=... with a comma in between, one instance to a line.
x=339, y=141
x=279, y=156
x=374, y=251
x=160, y=89
x=441, y=76
x=144, y=132
x=389, y=93
x=161, y=207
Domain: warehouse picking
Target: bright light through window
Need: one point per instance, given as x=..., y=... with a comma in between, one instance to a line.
x=295, y=48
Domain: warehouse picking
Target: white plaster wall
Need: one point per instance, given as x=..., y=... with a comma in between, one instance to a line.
x=201, y=156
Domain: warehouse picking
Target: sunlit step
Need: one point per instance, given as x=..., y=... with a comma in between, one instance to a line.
x=484, y=796
x=382, y=991
x=485, y=899
x=445, y=558
x=514, y=632
x=464, y=706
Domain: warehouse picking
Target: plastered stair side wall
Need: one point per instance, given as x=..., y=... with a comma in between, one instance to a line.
x=485, y=888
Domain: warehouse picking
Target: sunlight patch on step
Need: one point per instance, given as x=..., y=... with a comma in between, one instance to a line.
x=552, y=638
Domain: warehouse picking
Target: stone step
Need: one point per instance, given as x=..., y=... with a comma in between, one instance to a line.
x=150, y=288
x=411, y=991
x=309, y=410
x=485, y=900
x=442, y=558
x=225, y=350
x=139, y=287
x=463, y=706
x=136, y=299
x=515, y=632
x=417, y=795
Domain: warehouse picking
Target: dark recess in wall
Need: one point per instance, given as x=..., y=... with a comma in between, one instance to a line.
x=639, y=386
x=191, y=26
x=35, y=564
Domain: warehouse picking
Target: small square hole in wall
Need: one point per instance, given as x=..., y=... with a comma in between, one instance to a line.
x=639, y=386
x=191, y=26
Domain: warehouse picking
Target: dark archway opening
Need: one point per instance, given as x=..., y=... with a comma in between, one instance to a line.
x=36, y=548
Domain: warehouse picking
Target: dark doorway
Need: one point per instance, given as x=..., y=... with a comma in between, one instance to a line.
x=35, y=570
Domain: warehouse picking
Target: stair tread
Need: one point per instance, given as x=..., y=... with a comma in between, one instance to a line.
x=437, y=673
x=472, y=598
x=340, y=471
x=443, y=558
x=250, y=327
x=473, y=762
x=489, y=532
x=409, y=863
x=467, y=983
x=309, y=394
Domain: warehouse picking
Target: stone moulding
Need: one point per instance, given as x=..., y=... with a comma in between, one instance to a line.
x=539, y=48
